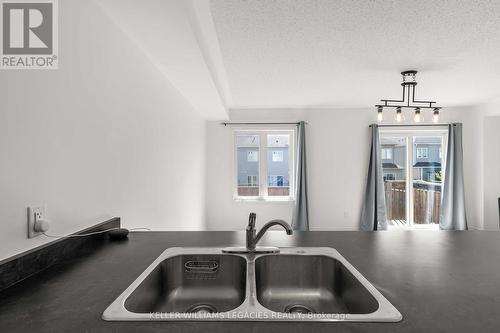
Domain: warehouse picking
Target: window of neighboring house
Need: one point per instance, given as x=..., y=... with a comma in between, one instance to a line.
x=387, y=153
x=252, y=156
x=277, y=155
x=252, y=180
x=276, y=180
x=264, y=168
x=413, y=182
x=423, y=152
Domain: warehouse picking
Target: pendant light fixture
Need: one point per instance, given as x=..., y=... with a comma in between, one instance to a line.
x=408, y=101
x=399, y=114
x=435, y=115
x=380, y=115
x=418, y=115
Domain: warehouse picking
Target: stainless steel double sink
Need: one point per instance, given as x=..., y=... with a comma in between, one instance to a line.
x=297, y=284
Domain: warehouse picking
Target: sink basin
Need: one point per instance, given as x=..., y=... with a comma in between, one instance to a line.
x=310, y=284
x=191, y=283
x=297, y=284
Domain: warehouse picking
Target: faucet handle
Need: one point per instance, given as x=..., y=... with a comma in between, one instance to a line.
x=251, y=220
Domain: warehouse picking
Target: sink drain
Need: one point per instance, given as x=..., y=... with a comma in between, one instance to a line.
x=298, y=308
x=202, y=308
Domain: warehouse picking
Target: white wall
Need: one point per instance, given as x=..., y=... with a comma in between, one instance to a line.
x=337, y=153
x=491, y=171
x=472, y=119
x=167, y=32
x=105, y=135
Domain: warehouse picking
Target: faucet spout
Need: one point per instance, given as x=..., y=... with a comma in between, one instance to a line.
x=266, y=227
x=252, y=239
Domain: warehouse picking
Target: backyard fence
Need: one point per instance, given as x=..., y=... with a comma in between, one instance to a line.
x=426, y=201
x=246, y=191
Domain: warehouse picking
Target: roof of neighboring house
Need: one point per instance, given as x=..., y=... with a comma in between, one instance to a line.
x=388, y=165
x=426, y=164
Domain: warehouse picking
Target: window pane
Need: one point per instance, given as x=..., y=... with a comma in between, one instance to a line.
x=278, y=165
x=394, y=170
x=427, y=179
x=247, y=147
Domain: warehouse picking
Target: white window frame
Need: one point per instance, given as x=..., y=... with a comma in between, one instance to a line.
x=263, y=148
x=409, y=134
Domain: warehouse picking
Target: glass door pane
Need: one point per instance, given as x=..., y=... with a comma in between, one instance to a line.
x=394, y=157
x=278, y=165
x=427, y=162
x=247, y=150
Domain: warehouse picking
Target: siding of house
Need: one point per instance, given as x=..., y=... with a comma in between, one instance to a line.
x=399, y=159
x=279, y=168
x=247, y=168
x=427, y=173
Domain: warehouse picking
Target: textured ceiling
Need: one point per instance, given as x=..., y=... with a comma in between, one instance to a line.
x=348, y=53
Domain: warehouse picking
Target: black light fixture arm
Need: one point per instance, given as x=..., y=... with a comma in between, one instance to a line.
x=408, y=95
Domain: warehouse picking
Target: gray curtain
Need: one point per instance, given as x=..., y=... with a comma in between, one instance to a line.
x=373, y=214
x=300, y=219
x=453, y=205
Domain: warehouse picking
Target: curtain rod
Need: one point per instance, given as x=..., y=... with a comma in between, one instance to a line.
x=259, y=123
x=414, y=125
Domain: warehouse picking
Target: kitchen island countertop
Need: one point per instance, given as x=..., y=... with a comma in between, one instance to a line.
x=440, y=281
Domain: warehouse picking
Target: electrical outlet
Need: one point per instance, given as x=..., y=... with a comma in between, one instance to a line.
x=34, y=214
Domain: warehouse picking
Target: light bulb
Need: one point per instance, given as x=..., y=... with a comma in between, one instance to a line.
x=399, y=116
x=435, y=115
x=418, y=116
x=380, y=116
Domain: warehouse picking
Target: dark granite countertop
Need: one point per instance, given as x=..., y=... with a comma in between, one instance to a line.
x=439, y=281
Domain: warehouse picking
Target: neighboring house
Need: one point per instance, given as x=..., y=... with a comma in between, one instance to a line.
x=248, y=166
x=427, y=159
x=428, y=162
x=393, y=161
x=278, y=167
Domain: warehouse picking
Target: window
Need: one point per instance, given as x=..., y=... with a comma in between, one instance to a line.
x=252, y=156
x=423, y=152
x=277, y=155
x=252, y=180
x=248, y=147
x=387, y=153
x=413, y=178
x=276, y=180
x=263, y=168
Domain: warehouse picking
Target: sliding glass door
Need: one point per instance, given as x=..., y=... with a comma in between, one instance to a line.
x=394, y=163
x=427, y=179
x=413, y=171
